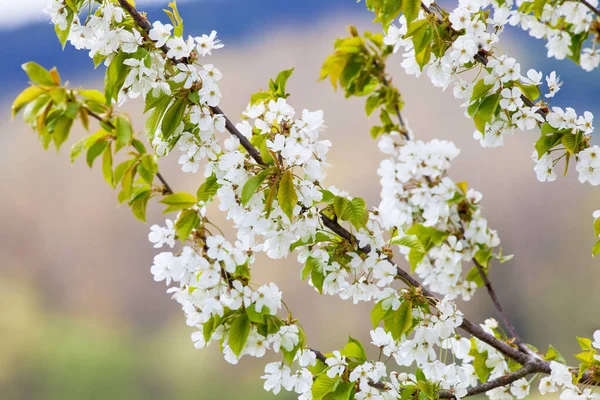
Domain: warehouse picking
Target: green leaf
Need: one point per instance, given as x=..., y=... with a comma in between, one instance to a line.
x=38, y=74
x=596, y=249
x=422, y=38
x=139, y=203
x=178, y=201
x=340, y=205
x=63, y=35
x=483, y=256
x=317, y=278
x=378, y=314
x=553, y=355
x=480, y=90
x=424, y=56
x=155, y=118
x=354, y=349
x=188, y=221
x=475, y=276
x=256, y=317
x=77, y=148
x=173, y=117
x=175, y=19
x=93, y=95
x=95, y=150
x=61, y=130
x=538, y=8
x=597, y=227
x=410, y=9
x=286, y=195
x=115, y=77
x=252, y=186
x=385, y=10
x=532, y=92
x=107, y=162
x=354, y=211
x=410, y=241
x=123, y=131
x=584, y=343
x=121, y=169
x=486, y=111
x=271, y=196
x=402, y=320
x=427, y=388
x=278, y=86
x=357, y=213
x=351, y=71
x=311, y=263
x=429, y=238
x=25, y=97
x=481, y=369
x=547, y=142
x=238, y=333
x=571, y=143
x=344, y=391
x=319, y=238
x=324, y=385
x=208, y=189
x=576, y=45
x=414, y=258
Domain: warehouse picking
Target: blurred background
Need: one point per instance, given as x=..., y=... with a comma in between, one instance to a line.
x=81, y=317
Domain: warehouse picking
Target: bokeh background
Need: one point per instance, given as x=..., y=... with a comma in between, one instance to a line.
x=80, y=316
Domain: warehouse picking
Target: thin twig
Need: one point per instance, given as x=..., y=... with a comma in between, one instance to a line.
x=488, y=284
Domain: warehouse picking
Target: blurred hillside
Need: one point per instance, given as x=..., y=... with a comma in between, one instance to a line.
x=86, y=320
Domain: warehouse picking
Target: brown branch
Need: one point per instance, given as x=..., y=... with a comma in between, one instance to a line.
x=591, y=7
x=504, y=380
x=488, y=284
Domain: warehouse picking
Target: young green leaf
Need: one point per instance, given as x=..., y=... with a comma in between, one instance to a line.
x=402, y=320
x=25, y=97
x=139, y=203
x=173, y=117
x=208, y=189
x=286, y=195
x=95, y=150
x=123, y=131
x=238, y=333
x=38, y=74
x=188, y=221
x=252, y=186
x=178, y=201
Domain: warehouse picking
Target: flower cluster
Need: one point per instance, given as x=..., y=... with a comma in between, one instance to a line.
x=561, y=23
x=209, y=292
x=265, y=214
x=416, y=190
x=503, y=100
x=148, y=73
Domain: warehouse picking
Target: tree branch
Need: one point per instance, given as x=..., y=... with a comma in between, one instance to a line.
x=591, y=7
x=488, y=284
x=528, y=361
x=504, y=380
